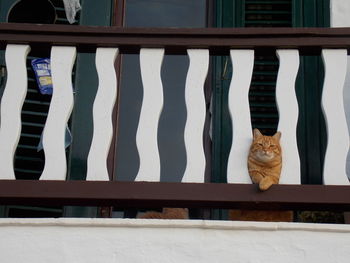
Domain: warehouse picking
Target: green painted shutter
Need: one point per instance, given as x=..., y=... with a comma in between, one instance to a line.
x=264, y=115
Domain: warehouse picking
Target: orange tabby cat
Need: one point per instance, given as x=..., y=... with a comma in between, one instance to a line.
x=167, y=213
x=265, y=160
x=264, y=165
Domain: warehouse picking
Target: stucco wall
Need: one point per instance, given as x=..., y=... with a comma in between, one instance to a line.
x=122, y=240
x=340, y=10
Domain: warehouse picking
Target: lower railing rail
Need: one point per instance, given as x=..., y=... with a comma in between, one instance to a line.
x=191, y=195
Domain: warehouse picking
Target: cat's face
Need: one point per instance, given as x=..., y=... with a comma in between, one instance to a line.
x=265, y=148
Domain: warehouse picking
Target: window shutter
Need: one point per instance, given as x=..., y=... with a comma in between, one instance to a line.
x=264, y=115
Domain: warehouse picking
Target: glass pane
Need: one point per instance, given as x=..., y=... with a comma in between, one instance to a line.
x=156, y=13
x=165, y=13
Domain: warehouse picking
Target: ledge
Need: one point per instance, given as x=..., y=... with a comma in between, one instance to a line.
x=171, y=224
x=166, y=241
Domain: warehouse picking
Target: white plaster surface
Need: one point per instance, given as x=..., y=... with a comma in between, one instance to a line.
x=340, y=10
x=136, y=240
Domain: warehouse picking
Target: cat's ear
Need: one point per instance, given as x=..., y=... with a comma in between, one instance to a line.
x=277, y=136
x=257, y=133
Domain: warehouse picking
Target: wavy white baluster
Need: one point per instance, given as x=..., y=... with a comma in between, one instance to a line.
x=152, y=104
x=335, y=63
x=287, y=105
x=11, y=106
x=195, y=105
x=102, y=115
x=242, y=68
x=62, y=61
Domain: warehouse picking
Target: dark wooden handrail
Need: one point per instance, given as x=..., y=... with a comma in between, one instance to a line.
x=147, y=194
x=219, y=41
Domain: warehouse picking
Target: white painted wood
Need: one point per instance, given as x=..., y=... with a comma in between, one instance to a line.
x=196, y=108
x=62, y=61
x=11, y=106
x=335, y=63
x=152, y=104
x=102, y=115
x=287, y=105
x=242, y=69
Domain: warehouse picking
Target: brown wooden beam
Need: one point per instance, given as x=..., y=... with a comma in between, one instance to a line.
x=147, y=194
x=175, y=40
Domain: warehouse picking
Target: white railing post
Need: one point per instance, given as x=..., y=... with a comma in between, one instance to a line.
x=11, y=106
x=102, y=114
x=242, y=69
x=195, y=105
x=334, y=170
x=152, y=105
x=287, y=105
x=62, y=61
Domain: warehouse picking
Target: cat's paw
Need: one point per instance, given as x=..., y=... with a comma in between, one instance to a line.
x=265, y=184
x=256, y=177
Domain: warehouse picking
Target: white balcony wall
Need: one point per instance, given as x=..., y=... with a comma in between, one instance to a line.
x=128, y=241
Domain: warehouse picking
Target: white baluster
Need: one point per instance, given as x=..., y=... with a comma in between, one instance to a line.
x=195, y=105
x=11, y=106
x=62, y=61
x=287, y=105
x=152, y=104
x=102, y=114
x=335, y=63
x=242, y=68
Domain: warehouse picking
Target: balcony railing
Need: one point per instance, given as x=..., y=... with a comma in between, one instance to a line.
x=151, y=44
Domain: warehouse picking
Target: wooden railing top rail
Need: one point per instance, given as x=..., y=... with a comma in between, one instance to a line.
x=177, y=40
x=149, y=194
